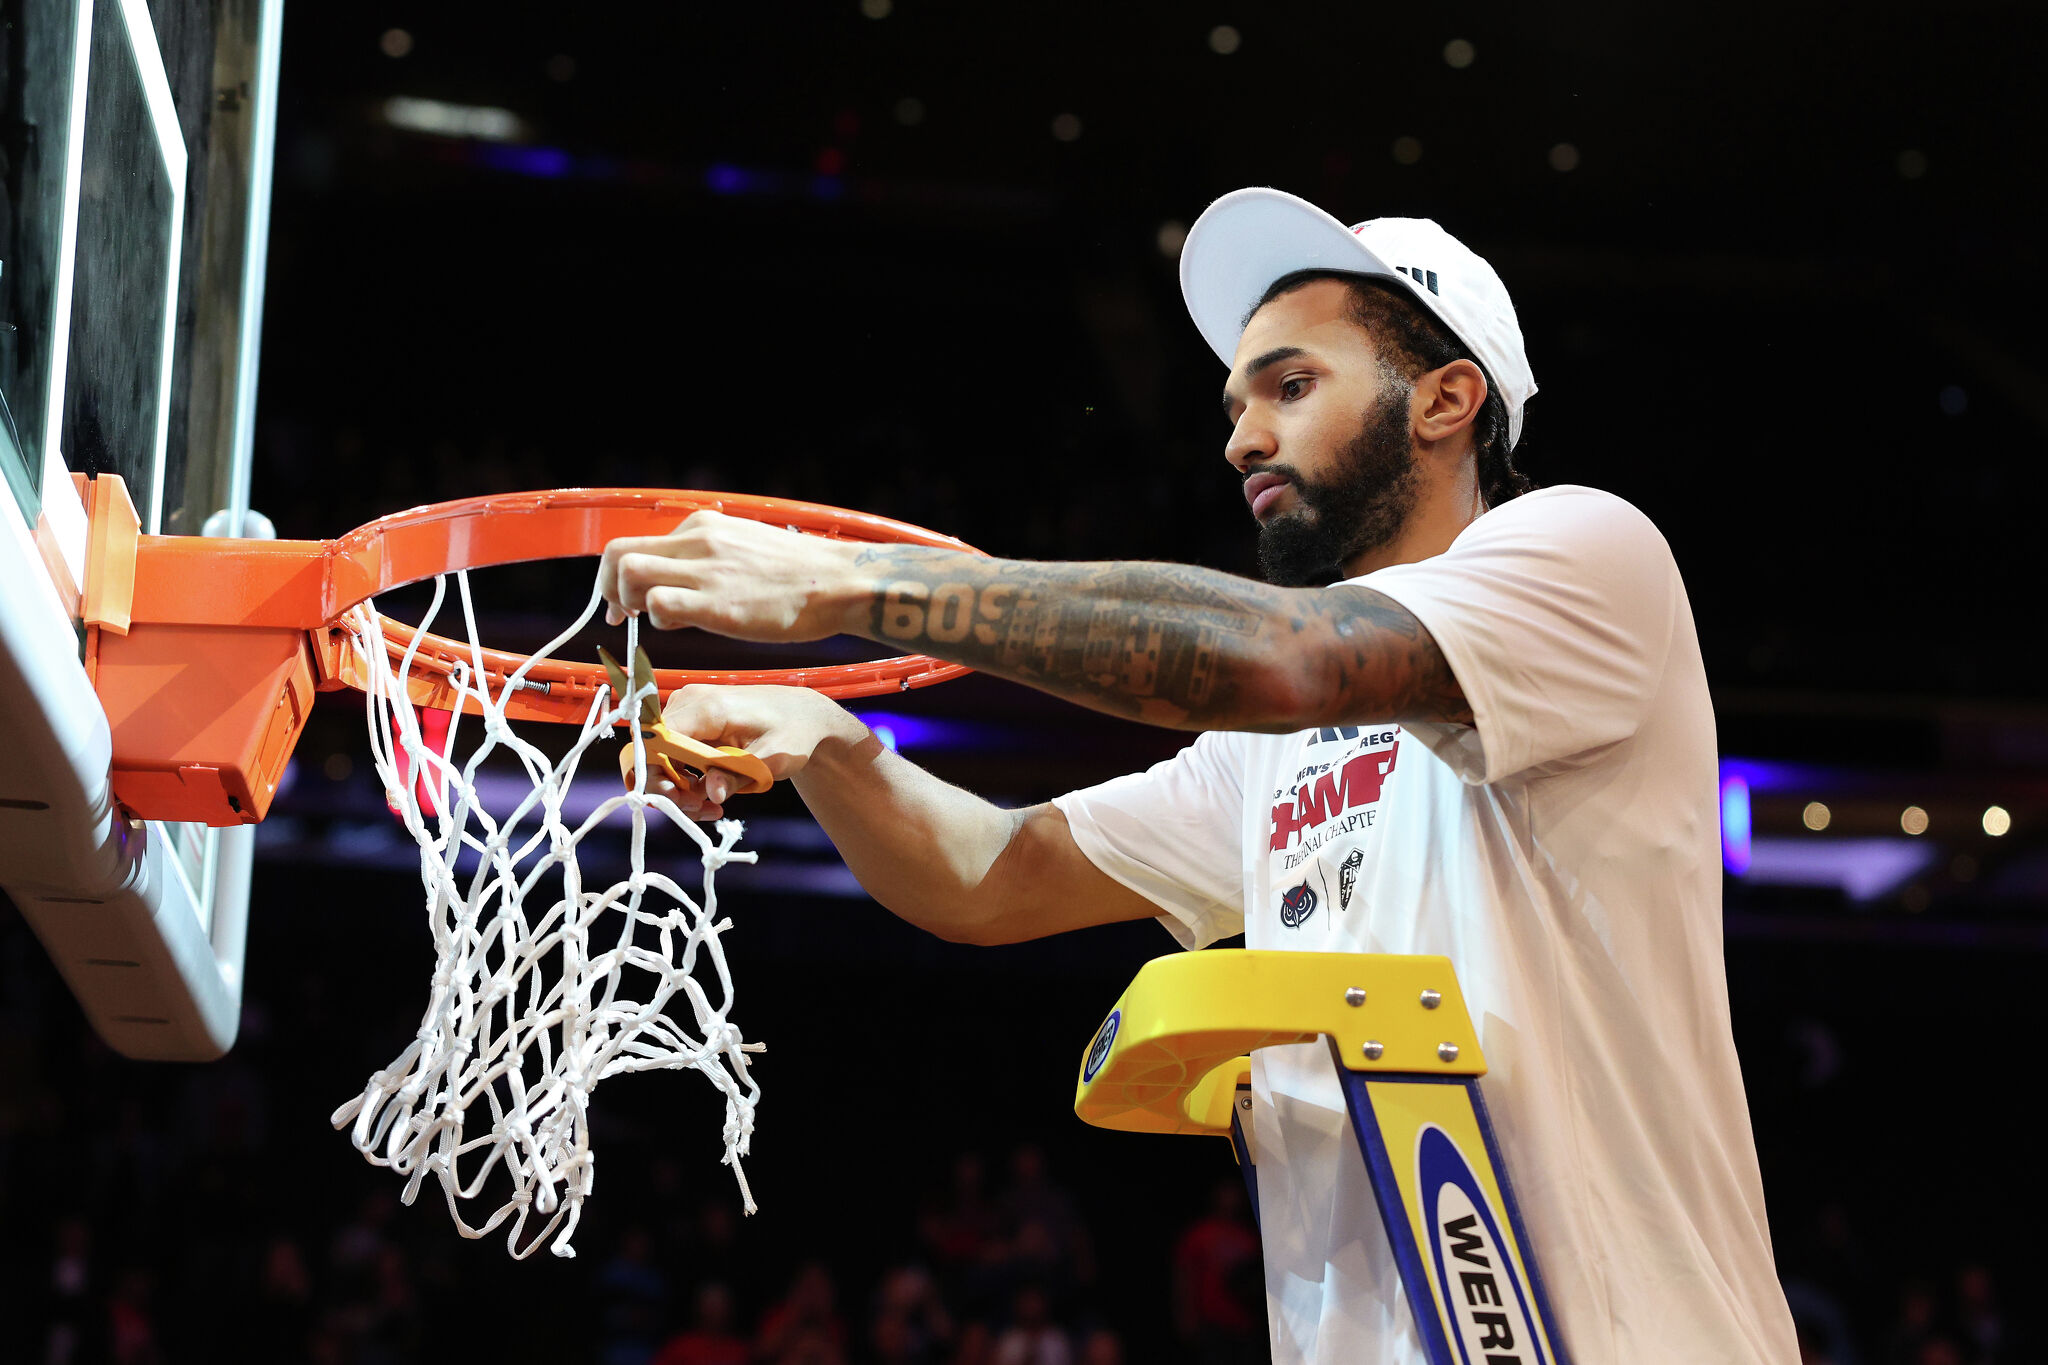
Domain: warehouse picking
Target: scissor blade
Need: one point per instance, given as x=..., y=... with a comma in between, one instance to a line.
x=643, y=676
x=616, y=674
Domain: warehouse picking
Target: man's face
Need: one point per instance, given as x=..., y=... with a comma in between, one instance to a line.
x=1321, y=435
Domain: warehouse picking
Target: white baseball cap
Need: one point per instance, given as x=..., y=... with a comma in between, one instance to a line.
x=1250, y=238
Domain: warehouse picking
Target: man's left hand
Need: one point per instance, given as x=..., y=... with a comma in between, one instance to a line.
x=733, y=577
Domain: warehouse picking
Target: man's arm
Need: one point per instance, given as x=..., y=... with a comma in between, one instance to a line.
x=939, y=857
x=1168, y=644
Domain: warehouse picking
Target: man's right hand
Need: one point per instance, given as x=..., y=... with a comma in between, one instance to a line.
x=784, y=727
x=939, y=857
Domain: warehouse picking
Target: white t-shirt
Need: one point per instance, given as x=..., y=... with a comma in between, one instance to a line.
x=1564, y=852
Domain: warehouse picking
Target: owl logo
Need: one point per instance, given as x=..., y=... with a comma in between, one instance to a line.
x=1296, y=905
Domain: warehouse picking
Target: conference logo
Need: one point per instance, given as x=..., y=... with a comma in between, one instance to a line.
x=1098, y=1051
x=1492, y=1309
x=1347, y=877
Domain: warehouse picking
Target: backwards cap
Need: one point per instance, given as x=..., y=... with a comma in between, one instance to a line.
x=1250, y=238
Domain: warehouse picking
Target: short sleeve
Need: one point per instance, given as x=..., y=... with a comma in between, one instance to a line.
x=1555, y=612
x=1174, y=834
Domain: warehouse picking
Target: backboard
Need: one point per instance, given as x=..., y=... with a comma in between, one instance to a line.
x=137, y=151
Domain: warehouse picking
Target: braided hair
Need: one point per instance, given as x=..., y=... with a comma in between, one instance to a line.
x=1413, y=342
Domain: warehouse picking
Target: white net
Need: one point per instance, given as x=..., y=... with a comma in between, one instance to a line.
x=543, y=986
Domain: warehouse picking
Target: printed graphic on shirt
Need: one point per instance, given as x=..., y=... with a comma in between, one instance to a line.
x=1297, y=903
x=1332, y=796
x=1347, y=877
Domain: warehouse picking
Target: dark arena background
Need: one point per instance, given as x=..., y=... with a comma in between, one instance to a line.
x=918, y=258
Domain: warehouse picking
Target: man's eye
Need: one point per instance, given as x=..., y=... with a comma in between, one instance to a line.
x=1293, y=388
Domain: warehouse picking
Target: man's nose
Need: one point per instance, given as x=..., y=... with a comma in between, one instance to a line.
x=1251, y=442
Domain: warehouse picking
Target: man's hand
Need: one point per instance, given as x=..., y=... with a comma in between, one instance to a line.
x=735, y=577
x=784, y=727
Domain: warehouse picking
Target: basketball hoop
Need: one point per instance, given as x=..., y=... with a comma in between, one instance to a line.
x=205, y=654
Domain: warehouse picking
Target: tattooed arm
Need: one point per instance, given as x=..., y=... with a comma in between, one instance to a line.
x=1167, y=644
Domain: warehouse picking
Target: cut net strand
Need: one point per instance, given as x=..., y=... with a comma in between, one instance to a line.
x=532, y=1005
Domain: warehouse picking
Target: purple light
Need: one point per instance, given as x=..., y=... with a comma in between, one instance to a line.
x=1862, y=869
x=542, y=163
x=1734, y=822
x=898, y=732
x=725, y=180
x=1768, y=776
x=933, y=734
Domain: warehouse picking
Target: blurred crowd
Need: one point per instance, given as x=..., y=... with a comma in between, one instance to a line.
x=155, y=1214
x=158, y=1214
x=167, y=1237
x=1852, y=1310
x=1000, y=1274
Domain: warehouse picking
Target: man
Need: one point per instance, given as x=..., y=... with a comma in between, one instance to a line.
x=1492, y=739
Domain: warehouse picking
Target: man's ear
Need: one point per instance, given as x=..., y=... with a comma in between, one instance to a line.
x=1447, y=401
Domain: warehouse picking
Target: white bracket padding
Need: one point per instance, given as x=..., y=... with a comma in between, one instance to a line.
x=160, y=976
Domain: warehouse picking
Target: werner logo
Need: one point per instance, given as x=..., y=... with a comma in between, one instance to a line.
x=1325, y=797
x=1491, y=1309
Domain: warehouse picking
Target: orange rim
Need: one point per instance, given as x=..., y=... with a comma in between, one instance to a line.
x=410, y=546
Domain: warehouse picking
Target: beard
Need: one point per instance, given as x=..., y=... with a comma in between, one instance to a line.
x=1360, y=507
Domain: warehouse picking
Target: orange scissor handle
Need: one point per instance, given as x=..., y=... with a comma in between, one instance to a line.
x=668, y=750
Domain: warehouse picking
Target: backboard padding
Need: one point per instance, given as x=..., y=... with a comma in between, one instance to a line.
x=131, y=271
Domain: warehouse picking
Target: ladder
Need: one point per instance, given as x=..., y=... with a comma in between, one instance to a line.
x=1174, y=1057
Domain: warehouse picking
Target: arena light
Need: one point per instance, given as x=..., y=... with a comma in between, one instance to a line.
x=1863, y=869
x=899, y=731
x=1913, y=820
x=439, y=118
x=1997, y=821
x=542, y=163
x=1735, y=850
x=1774, y=777
x=1816, y=816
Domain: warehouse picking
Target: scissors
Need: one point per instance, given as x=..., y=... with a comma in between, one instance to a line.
x=666, y=748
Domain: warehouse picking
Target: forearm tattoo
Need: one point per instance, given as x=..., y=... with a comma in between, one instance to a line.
x=1169, y=644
